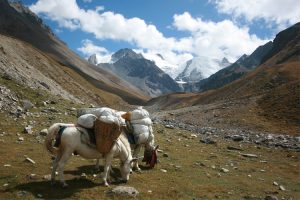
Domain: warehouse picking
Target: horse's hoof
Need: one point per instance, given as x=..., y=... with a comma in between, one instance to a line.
x=106, y=184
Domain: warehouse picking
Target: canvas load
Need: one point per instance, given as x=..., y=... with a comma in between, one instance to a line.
x=106, y=134
x=142, y=133
x=86, y=121
x=139, y=113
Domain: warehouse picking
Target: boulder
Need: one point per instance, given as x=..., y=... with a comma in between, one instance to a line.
x=124, y=191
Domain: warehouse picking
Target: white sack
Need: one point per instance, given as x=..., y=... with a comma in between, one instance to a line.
x=139, y=113
x=141, y=133
x=145, y=121
x=87, y=120
x=102, y=111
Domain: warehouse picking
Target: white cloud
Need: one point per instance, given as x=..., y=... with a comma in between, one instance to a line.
x=216, y=39
x=88, y=48
x=281, y=12
x=205, y=38
x=87, y=1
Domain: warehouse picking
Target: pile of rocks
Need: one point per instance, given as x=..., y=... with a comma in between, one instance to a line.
x=238, y=135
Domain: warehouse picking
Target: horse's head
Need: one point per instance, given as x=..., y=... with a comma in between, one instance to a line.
x=150, y=155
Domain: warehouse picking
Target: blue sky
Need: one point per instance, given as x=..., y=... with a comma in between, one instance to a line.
x=177, y=29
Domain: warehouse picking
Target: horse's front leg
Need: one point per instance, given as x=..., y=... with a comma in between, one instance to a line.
x=65, y=157
x=136, y=151
x=107, y=166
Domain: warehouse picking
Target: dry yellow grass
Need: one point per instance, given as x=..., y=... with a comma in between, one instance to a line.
x=192, y=168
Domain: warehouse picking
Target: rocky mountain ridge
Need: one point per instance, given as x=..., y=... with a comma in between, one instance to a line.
x=140, y=72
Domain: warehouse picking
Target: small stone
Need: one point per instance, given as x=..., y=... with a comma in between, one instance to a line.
x=165, y=155
x=30, y=160
x=271, y=197
x=33, y=177
x=7, y=165
x=194, y=136
x=28, y=129
x=224, y=170
x=281, y=188
x=169, y=126
x=94, y=175
x=208, y=141
x=149, y=191
x=21, y=139
x=249, y=155
x=249, y=175
x=44, y=132
x=5, y=184
x=234, y=148
x=237, y=138
x=47, y=177
x=39, y=195
x=275, y=183
x=163, y=170
x=21, y=193
x=124, y=191
x=83, y=175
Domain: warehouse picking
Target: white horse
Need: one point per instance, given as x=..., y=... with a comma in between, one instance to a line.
x=140, y=129
x=71, y=141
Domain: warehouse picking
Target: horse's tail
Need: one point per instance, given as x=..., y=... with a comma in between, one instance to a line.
x=52, y=133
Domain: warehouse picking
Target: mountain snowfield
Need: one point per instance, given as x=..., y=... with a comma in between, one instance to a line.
x=201, y=67
x=193, y=70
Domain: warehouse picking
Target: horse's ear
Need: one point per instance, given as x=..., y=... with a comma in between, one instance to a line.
x=126, y=116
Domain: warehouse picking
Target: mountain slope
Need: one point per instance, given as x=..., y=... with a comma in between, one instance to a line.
x=19, y=22
x=242, y=66
x=142, y=73
x=268, y=95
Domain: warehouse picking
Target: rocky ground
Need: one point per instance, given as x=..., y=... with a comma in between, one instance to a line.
x=232, y=120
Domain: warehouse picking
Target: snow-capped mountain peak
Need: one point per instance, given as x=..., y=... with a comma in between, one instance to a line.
x=201, y=67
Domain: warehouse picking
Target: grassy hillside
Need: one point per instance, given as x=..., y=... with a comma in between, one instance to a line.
x=193, y=169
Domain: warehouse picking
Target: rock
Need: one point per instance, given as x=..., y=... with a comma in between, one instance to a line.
x=208, y=141
x=39, y=195
x=22, y=193
x=124, y=191
x=44, y=132
x=27, y=105
x=281, y=188
x=28, y=129
x=237, y=138
x=249, y=155
x=224, y=170
x=169, y=126
x=271, y=197
x=5, y=184
x=234, y=148
x=275, y=183
x=21, y=139
x=83, y=175
x=7, y=165
x=165, y=155
x=194, y=136
x=47, y=177
x=32, y=177
x=163, y=170
x=30, y=160
x=19, y=109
